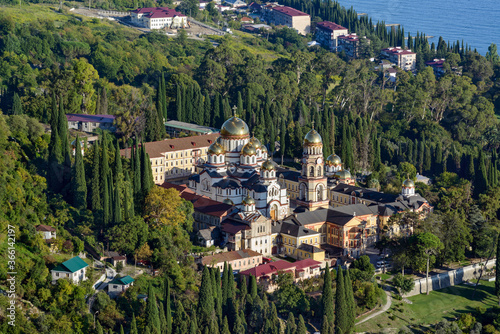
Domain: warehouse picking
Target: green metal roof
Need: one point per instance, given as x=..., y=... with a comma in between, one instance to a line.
x=72, y=265
x=122, y=280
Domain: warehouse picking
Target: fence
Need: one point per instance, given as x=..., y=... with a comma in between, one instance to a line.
x=450, y=278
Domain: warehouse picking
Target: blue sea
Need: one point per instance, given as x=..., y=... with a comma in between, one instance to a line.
x=476, y=22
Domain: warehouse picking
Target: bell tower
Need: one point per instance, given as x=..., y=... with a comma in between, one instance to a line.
x=312, y=182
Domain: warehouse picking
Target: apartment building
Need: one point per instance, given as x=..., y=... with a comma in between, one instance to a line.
x=351, y=45
x=327, y=34
x=176, y=158
x=158, y=18
x=287, y=16
x=402, y=58
x=88, y=123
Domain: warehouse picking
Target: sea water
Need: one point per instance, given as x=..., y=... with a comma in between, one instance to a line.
x=475, y=22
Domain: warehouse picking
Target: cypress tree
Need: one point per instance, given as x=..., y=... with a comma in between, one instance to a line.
x=217, y=119
x=225, y=287
x=239, y=106
x=291, y=326
x=427, y=159
x=121, y=329
x=152, y=315
x=137, y=171
x=178, y=104
x=253, y=286
x=225, y=327
x=181, y=319
x=239, y=327
x=17, y=108
x=96, y=180
x=470, y=174
x=193, y=327
x=163, y=113
x=117, y=210
x=327, y=301
x=133, y=325
x=218, y=294
x=325, y=326
x=301, y=327
x=79, y=183
x=168, y=311
x=275, y=321
x=243, y=288
x=207, y=109
x=163, y=320
x=351, y=303
x=341, y=307
x=481, y=181
x=344, y=145
x=282, y=139
x=206, y=299
x=438, y=159
x=421, y=157
x=497, y=268
x=147, y=330
x=128, y=211
x=62, y=131
x=105, y=201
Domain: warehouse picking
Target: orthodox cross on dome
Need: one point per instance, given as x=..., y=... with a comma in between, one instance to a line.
x=312, y=124
x=234, y=110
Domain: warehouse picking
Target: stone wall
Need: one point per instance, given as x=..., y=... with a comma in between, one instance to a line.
x=450, y=278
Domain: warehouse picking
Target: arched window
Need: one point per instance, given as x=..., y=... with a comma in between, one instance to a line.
x=248, y=160
x=311, y=171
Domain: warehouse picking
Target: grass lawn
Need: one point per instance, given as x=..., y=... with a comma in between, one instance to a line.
x=33, y=12
x=383, y=277
x=446, y=303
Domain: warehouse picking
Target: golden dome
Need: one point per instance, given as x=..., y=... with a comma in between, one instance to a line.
x=312, y=137
x=248, y=201
x=228, y=201
x=408, y=183
x=268, y=165
x=343, y=174
x=333, y=159
x=255, y=142
x=216, y=148
x=248, y=149
x=234, y=127
x=263, y=148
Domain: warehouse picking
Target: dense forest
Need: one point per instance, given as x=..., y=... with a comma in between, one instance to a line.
x=445, y=128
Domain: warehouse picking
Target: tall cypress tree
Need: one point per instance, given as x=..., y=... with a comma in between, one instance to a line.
x=344, y=144
x=193, y=329
x=181, y=319
x=291, y=326
x=225, y=327
x=137, y=172
x=327, y=302
x=105, y=182
x=481, y=180
x=217, y=119
x=351, y=303
x=99, y=328
x=205, y=299
x=341, y=307
x=163, y=320
x=152, y=314
x=62, y=131
x=225, y=288
x=96, y=180
x=79, y=184
x=178, y=104
x=133, y=325
x=301, y=327
x=427, y=159
x=17, y=108
x=117, y=211
x=438, y=159
x=253, y=286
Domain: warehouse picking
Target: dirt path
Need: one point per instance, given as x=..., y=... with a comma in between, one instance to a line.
x=384, y=308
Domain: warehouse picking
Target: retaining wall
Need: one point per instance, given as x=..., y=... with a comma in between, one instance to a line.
x=450, y=278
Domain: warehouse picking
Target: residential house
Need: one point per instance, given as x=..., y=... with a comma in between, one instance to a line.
x=175, y=128
x=236, y=3
x=73, y=269
x=47, y=232
x=327, y=33
x=176, y=158
x=402, y=58
x=209, y=236
x=118, y=259
x=158, y=18
x=287, y=16
x=119, y=285
x=266, y=274
x=88, y=123
x=239, y=260
x=246, y=19
x=255, y=28
x=351, y=45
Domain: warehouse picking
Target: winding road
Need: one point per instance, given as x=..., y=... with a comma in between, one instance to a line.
x=384, y=309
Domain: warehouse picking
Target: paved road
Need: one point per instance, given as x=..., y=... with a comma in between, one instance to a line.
x=384, y=309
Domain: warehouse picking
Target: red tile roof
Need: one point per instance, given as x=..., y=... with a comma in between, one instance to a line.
x=330, y=26
x=45, y=228
x=201, y=204
x=156, y=149
x=229, y=256
x=268, y=268
x=398, y=50
x=350, y=37
x=290, y=11
x=307, y=263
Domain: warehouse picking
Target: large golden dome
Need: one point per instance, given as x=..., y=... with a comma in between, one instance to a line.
x=268, y=165
x=255, y=142
x=333, y=159
x=216, y=148
x=248, y=149
x=343, y=174
x=408, y=183
x=234, y=127
x=312, y=137
x=263, y=149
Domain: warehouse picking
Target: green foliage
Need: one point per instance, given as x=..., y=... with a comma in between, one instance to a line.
x=289, y=296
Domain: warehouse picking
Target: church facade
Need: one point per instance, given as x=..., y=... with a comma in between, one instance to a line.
x=238, y=167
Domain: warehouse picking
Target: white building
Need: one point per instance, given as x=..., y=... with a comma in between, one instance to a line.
x=327, y=33
x=237, y=167
x=158, y=18
x=120, y=284
x=74, y=270
x=47, y=232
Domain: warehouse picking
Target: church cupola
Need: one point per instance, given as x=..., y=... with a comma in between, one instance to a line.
x=408, y=188
x=216, y=154
x=268, y=170
x=248, y=155
x=248, y=204
x=333, y=164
